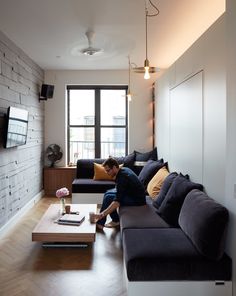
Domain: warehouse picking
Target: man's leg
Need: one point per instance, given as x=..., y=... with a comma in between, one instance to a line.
x=107, y=200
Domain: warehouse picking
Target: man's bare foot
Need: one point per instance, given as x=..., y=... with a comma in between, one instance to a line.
x=112, y=224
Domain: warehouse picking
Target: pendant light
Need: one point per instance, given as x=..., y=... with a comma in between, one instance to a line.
x=129, y=95
x=147, y=69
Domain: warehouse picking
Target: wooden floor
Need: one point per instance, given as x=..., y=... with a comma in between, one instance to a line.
x=28, y=269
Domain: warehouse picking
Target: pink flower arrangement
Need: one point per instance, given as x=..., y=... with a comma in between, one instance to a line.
x=61, y=193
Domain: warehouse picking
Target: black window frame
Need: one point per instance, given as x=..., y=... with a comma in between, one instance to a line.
x=97, y=125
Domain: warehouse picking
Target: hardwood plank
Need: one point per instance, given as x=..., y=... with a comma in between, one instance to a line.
x=27, y=269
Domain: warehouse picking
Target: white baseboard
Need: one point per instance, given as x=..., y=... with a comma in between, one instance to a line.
x=14, y=220
x=177, y=288
x=180, y=288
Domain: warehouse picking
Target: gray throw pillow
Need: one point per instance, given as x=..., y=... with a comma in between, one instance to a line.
x=149, y=170
x=145, y=156
x=205, y=222
x=164, y=189
x=171, y=205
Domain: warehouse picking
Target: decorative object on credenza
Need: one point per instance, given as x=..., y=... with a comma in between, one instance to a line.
x=54, y=154
x=47, y=91
x=61, y=194
x=147, y=69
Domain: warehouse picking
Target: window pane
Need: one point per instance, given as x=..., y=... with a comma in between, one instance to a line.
x=113, y=103
x=82, y=143
x=112, y=142
x=82, y=107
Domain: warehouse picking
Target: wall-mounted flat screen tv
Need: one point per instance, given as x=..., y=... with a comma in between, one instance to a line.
x=16, y=127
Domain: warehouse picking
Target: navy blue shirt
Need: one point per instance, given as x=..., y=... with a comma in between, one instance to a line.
x=129, y=190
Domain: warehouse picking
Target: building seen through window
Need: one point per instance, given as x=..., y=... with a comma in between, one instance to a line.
x=97, y=122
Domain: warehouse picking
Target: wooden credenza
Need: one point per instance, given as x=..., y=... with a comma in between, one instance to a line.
x=56, y=178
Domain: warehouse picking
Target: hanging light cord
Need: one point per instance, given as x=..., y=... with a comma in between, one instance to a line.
x=154, y=6
x=129, y=70
x=149, y=15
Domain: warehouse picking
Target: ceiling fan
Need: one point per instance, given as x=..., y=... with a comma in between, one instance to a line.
x=90, y=50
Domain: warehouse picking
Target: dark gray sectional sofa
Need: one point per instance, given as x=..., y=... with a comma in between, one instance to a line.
x=157, y=254
x=174, y=245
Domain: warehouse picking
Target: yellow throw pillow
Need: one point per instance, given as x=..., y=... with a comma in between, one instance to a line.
x=156, y=182
x=100, y=173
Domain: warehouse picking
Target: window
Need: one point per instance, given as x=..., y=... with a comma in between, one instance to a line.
x=97, y=121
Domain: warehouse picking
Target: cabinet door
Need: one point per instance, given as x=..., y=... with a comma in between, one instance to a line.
x=56, y=178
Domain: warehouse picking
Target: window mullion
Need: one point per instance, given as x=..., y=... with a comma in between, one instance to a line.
x=97, y=124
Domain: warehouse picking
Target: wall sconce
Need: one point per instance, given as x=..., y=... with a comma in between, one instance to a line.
x=147, y=69
x=46, y=92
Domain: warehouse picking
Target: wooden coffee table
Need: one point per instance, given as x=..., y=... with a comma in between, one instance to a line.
x=53, y=234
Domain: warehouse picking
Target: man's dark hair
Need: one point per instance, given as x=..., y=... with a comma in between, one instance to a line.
x=110, y=162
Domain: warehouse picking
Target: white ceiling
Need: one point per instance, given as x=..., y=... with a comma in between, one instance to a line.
x=52, y=31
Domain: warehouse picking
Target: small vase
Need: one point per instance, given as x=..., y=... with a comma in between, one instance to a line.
x=63, y=205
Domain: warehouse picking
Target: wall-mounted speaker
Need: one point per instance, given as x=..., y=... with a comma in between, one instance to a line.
x=46, y=92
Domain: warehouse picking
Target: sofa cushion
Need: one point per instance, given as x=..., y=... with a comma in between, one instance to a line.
x=82, y=185
x=171, y=205
x=205, y=222
x=154, y=185
x=164, y=189
x=140, y=217
x=149, y=170
x=164, y=254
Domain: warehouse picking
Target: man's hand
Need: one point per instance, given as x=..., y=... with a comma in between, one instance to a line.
x=99, y=216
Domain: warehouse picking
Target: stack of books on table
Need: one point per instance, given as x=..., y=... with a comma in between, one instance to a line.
x=71, y=219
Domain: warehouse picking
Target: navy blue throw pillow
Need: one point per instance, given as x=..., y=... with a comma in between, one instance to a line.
x=164, y=189
x=139, y=156
x=149, y=170
x=171, y=205
x=127, y=160
x=205, y=223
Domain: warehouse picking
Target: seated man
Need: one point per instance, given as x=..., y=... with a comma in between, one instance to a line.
x=129, y=191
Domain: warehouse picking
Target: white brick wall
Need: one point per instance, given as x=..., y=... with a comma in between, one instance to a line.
x=21, y=167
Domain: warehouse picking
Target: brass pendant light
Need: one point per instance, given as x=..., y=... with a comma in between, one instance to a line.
x=147, y=69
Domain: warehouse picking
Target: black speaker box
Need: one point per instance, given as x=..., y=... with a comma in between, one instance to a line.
x=47, y=91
